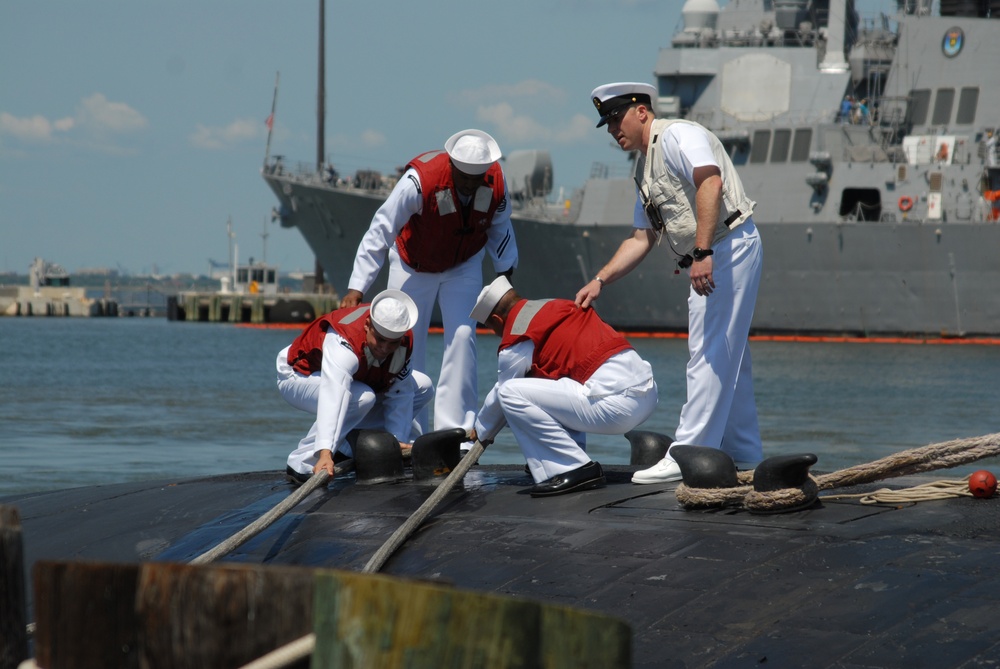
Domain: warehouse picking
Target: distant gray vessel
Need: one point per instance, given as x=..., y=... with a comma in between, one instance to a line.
x=883, y=222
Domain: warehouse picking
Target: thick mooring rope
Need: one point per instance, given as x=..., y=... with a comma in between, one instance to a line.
x=265, y=521
x=942, y=455
x=303, y=647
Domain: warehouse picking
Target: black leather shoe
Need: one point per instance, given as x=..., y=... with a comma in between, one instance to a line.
x=586, y=477
x=295, y=478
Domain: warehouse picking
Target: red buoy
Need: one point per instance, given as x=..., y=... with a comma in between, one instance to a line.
x=982, y=483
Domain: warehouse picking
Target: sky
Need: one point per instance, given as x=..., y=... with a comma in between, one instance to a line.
x=132, y=132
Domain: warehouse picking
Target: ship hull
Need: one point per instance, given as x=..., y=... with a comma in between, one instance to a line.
x=923, y=279
x=705, y=588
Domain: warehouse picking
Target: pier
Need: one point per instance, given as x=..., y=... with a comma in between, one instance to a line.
x=222, y=307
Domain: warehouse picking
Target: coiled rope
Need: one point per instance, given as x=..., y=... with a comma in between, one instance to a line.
x=941, y=455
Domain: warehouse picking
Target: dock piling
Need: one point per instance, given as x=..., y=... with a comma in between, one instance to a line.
x=13, y=630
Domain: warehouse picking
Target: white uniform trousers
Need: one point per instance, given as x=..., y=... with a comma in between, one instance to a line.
x=455, y=290
x=364, y=409
x=551, y=418
x=720, y=410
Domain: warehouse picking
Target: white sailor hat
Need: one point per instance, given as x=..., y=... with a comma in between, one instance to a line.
x=489, y=298
x=472, y=151
x=393, y=313
x=612, y=99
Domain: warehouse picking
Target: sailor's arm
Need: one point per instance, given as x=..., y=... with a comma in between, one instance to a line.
x=626, y=258
x=708, y=199
x=336, y=374
x=403, y=202
x=500, y=242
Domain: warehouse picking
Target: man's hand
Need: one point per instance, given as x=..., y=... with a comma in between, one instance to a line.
x=701, y=276
x=324, y=462
x=351, y=299
x=586, y=295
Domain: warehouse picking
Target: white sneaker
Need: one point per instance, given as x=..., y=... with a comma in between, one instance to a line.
x=664, y=471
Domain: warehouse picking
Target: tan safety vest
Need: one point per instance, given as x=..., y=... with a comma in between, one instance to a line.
x=673, y=199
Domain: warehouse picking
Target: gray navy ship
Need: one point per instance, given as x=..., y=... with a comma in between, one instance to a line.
x=876, y=219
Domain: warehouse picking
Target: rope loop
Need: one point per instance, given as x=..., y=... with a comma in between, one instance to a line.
x=913, y=461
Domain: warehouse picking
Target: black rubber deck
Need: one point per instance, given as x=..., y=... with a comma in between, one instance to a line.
x=838, y=585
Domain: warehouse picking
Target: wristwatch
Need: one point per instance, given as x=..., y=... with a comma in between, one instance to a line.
x=700, y=253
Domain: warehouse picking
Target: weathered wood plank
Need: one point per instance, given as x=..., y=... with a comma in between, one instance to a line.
x=364, y=620
x=219, y=616
x=85, y=615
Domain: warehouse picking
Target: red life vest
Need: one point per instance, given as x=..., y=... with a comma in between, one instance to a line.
x=569, y=341
x=445, y=234
x=305, y=354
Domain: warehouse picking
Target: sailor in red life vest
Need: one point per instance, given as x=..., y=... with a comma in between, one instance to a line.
x=563, y=372
x=449, y=208
x=351, y=368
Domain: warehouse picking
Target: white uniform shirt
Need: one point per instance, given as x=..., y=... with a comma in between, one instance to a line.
x=620, y=372
x=405, y=201
x=683, y=147
x=340, y=364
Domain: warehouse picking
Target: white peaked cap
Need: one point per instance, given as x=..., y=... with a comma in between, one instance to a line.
x=489, y=298
x=610, y=98
x=393, y=313
x=472, y=151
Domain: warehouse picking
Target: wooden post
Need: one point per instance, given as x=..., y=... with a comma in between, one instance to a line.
x=176, y=616
x=163, y=615
x=84, y=615
x=220, y=616
x=13, y=630
x=367, y=620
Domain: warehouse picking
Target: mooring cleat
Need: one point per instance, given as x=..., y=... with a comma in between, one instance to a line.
x=705, y=467
x=648, y=448
x=377, y=457
x=783, y=471
x=437, y=453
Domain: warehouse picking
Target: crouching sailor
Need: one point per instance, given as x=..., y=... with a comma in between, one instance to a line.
x=351, y=368
x=562, y=372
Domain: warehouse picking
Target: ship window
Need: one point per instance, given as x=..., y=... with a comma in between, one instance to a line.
x=920, y=102
x=861, y=204
x=270, y=276
x=779, y=149
x=942, y=106
x=968, y=99
x=800, y=146
x=241, y=275
x=761, y=142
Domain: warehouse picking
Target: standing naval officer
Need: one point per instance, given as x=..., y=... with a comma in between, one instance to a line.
x=563, y=372
x=689, y=192
x=446, y=211
x=351, y=367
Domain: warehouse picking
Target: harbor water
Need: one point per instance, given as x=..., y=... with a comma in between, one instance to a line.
x=101, y=401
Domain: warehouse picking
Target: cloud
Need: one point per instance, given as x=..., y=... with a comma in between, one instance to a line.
x=223, y=137
x=35, y=128
x=372, y=138
x=523, y=128
x=528, y=90
x=103, y=116
x=96, y=118
x=529, y=111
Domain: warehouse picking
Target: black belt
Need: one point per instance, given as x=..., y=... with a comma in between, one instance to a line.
x=732, y=219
